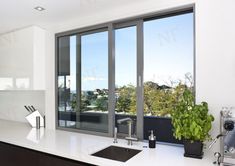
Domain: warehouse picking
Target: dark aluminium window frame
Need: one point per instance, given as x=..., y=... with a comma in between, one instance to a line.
x=111, y=26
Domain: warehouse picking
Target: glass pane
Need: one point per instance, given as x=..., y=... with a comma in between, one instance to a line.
x=94, y=82
x=168, y=62
x=168, y=70
x=125, y=77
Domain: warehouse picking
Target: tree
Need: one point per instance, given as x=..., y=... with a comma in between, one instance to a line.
x=161, y=100
x=157, y=99
x=151, y=94
x=101, y=101
x=125, y=99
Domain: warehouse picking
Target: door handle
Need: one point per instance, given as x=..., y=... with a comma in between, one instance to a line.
x=139, y=81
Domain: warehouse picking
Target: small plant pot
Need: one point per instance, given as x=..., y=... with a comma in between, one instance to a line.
x=193, y=149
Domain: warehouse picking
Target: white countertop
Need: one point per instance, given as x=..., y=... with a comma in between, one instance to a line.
x=78, y=146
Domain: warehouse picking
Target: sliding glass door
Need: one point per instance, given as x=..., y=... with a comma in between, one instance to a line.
x=83, y=81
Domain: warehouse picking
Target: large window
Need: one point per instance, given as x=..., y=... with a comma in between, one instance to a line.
x=135, y=69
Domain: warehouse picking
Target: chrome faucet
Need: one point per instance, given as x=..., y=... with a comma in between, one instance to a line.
x=129, y=122
x=115, y=136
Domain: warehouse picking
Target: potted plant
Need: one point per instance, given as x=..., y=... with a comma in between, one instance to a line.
x=191, y=123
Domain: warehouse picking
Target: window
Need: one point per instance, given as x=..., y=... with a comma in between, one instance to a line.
x=132, y=69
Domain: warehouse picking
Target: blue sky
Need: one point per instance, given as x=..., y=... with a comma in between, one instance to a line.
x=168, y=54
x=168, y=45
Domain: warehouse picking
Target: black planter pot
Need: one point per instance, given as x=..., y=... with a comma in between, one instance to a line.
x=193, y=149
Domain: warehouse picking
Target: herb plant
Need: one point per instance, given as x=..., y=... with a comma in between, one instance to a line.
x=191, y=121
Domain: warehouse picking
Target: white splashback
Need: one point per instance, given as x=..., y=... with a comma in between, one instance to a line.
x=12, y=104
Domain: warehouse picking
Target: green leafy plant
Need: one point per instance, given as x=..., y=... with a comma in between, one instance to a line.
x=191, y=121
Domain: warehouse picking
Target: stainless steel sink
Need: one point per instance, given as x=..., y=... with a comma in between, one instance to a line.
x=117, y=153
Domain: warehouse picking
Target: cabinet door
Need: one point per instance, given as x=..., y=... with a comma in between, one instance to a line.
x=50, y=160
x=23, y=53
x=11, y=155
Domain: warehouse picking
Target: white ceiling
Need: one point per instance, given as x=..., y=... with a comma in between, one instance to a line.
x=16, y=14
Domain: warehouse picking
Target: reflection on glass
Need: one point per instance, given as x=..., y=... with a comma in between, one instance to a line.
x=6, y=83
x=125, y=76
x=22, y=83
x=168, y=62
x=66, y=73
x=14, y=83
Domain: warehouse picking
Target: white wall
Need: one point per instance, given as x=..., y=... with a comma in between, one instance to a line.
x=50, y=80
x=215, y=39
x=39, y=53
x=215, y=55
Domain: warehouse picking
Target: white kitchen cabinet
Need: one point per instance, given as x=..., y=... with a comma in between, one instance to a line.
x=22, y=59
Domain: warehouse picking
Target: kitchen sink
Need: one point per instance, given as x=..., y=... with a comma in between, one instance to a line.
x=117, y=153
